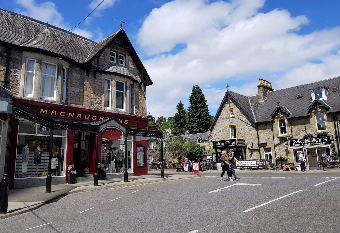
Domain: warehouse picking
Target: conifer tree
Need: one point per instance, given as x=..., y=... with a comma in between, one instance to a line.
x=199, y=118
x=179, y=120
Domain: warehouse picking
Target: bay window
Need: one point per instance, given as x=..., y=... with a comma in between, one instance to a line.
x=29, y=78
x=48, y=81
x=120, y=94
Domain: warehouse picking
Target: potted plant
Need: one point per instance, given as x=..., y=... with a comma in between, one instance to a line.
x=71, y=174
x=101, y=171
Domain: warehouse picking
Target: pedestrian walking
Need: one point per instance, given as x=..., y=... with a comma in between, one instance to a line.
x=232, y=162
x=302, y=161
x=224, y=164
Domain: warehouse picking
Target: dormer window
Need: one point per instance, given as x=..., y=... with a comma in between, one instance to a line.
x=231, y=112
x=121, y=59
x=320, y=121
x=319, y=94
x=282, y=127
x=113, y=56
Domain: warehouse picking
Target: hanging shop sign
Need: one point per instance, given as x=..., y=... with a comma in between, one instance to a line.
x=310, y=141
x=112, y=134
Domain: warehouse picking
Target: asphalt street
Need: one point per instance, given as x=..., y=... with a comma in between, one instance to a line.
x=258, y=202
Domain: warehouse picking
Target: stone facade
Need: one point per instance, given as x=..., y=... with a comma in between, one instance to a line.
x=269, y=127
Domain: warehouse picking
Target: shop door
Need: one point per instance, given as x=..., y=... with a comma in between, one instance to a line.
x=81, y=156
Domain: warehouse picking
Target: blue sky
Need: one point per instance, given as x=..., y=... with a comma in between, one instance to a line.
x=210, y=43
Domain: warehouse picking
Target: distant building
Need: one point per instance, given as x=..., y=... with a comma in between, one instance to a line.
x=280, y=123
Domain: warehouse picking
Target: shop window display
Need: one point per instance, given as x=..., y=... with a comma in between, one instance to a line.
x=33, y=151
x=112, y=156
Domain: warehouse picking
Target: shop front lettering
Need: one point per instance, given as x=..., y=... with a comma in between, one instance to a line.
x=80, y=116
x=310, y=141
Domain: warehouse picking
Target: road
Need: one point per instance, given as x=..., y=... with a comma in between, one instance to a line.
x=259, y=202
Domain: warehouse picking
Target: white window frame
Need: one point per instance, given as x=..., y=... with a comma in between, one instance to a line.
x=121, y=109
x=231, y=134
x=316, y=120
x=63, y=86
x=323, y=97
x=110, y=94
x=119, y=60
x=114, y=57
x=267, y=153
x=55, y=82
x=30, y=94
x=278, y=122
x=231, y=111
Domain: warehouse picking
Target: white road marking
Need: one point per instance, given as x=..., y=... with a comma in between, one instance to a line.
x=325, y=182
x=45, y=224
x=86, y=210
x=266, y=203
x=236, y=184
x=194, y=231
x=278, y=177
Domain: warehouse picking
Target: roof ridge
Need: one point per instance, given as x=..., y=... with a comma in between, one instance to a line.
x=49, y=25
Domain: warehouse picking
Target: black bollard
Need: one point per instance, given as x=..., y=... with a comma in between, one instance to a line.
x=48, y=183
x=95, y=178
x=3, y=196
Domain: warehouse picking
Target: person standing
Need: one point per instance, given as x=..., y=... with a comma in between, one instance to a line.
x=302, y=161
x=224, y=163
x=232, y=162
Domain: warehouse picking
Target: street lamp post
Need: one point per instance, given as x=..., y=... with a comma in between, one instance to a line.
x=162, y=170
x=49, y=175
x=95, y=175
x=4, y=181
x=126, y=174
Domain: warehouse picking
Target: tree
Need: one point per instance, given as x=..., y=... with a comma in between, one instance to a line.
x=179, y=120
x=194, y=152
x=175, y=146
x=199, y=118
x=162, y=124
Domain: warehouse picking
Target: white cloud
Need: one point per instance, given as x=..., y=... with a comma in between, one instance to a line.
x=104, y=5
x=47, y=12
x=222, y=40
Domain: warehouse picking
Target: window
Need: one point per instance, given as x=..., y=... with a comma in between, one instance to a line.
x=140, y=156
x=231, y=112
x=268, y=154
x=320, y=121
x=63, y=87
x=319, y=94
x=48, y=81
x=29, y=78
x=121, y=59
x=282, y=127
x=120, y=93
x=232, y=132
x=107, y=94
x=113, y=56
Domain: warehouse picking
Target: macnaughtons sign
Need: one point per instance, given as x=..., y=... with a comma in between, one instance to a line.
x=310, y=141
x=80, y=116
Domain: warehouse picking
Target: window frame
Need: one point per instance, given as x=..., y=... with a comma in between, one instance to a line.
x=323, y=94
x=123, y=56
x=231, y=135
x=32, y=94
x=115, y=56
x=63, y=86
x=316, y=121
x=55, y=82
x=110, y=94
x=231, y=112
x=285, y=122
x=124, y=92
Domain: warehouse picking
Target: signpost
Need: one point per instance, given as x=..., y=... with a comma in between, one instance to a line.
x=196, y=167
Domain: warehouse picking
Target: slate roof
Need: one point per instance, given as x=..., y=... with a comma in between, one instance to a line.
x=29, y=33
x=297, y=100
x=193, y=137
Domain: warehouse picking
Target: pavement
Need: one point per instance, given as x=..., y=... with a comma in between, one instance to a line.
x=28, y=199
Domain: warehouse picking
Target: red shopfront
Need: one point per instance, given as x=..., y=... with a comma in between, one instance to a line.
x=77, y=139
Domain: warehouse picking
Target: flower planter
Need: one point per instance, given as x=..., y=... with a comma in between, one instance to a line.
x=101, y=174
x=71, y=178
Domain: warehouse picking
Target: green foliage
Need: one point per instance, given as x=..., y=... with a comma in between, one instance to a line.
x=335, y=155
x=176, y=146
x=194, y=152
x=179, y=120
x=162, y=124
x=283, y=158
x=199, y=119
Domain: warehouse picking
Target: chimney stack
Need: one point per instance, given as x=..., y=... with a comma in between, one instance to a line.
x=263, y=89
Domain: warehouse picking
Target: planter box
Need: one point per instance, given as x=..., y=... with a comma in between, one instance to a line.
x=71, y=178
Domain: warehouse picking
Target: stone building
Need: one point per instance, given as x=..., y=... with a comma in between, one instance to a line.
x=62, y=76
x=280, y=123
